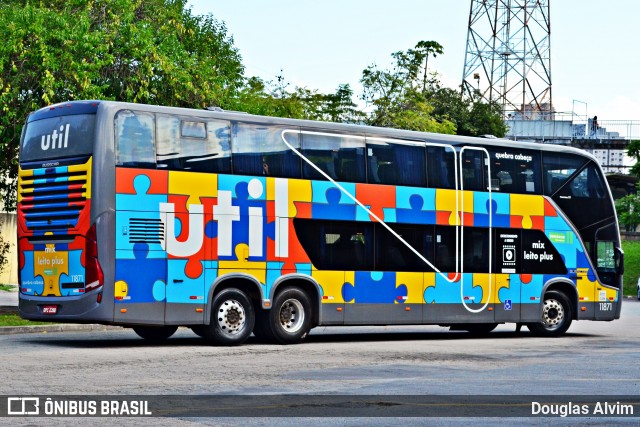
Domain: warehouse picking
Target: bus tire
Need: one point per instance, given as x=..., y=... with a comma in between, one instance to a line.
x=556, y=316
x=155, y=333
x=290, y=318
x=232, y=318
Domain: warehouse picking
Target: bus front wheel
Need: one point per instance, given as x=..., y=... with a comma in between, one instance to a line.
x=290, y=318
x=556, y=316
x=232, y=318
x=155, y=333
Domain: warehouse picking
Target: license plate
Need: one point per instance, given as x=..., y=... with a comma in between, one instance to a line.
x=50, y=309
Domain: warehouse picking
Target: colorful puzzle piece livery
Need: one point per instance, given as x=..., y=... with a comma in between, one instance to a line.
x=53, y=269
x=374, y=287
x=228, y=224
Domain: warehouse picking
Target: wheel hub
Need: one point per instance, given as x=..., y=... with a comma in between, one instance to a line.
x=292, y=315
x=231, y=316
x=553, y=313
x=286, y=314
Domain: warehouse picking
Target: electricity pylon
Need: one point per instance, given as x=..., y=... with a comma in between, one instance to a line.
x=508, y=56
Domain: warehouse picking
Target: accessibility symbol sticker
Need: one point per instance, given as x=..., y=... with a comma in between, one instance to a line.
x=508, y=305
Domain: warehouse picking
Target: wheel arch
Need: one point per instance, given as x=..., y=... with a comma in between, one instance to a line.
x=308, y=285
x=244, y=282
x=566, y=287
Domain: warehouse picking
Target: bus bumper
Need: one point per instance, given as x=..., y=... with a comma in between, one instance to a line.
x=75, y=309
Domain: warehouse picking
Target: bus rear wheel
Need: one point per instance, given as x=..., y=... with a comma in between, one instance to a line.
x=556, y=316
x=289, y=320
x=232, y=318
x=155, y=333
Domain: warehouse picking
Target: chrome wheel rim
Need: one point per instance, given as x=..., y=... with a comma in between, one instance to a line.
x=231, y=317
x=292, y=315
x=552, y=314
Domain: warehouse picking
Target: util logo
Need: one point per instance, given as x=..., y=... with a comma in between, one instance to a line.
x=225, y=213
x=58, y=137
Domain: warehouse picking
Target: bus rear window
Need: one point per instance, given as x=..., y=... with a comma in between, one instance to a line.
x=58, y=137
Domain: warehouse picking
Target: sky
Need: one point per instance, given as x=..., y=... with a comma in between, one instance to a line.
x=595, y=44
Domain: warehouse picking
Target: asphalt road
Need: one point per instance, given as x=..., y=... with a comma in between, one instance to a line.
x=592, y=358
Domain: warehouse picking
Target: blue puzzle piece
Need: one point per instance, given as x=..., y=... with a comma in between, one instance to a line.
x=338, y=206
x=140, y=272
x=374, y=287
x=35, y=285
x=444, y=292
x=556, y=223
x=482, y=206
x=531, y=292
x=404, y=196
x=416, y=208
x=274, y=272
x=303, y=268
x=362, y=214
x=187, y=290
x=211, y=229
x=319, y=191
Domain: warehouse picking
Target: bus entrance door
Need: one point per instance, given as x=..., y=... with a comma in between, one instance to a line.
x=477, y=287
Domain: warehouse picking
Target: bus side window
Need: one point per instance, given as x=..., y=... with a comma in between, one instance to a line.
x=135, y=134
x=515, y=171
x=193, y=144
x=341, y=157
x=475, y=253
x=394, y=255
x=558, y=168
x=441, y=167
x=260, y=150
x=396, y=164
x=473, y=171
x=214, y=155
x=337, y=245
x=445, y=248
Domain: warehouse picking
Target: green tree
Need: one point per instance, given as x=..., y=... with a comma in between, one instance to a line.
x=471, y=115
x=409, y=96
x=274, y=98
x=628, y=210
x=633, y=151
x=399, y=96
x=151, y=51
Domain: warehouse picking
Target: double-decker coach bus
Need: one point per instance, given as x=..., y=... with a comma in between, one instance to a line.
x=154, y=217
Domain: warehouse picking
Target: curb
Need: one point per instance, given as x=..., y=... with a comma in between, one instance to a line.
x=44, y=329
x=54, y=327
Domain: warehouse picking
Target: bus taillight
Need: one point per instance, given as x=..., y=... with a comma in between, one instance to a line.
x=93, y=271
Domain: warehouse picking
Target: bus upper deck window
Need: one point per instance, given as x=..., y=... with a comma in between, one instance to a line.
x=135, y=137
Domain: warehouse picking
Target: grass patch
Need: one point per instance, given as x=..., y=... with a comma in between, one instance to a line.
x=631, y=266
x=15, y=320
x=8, y=287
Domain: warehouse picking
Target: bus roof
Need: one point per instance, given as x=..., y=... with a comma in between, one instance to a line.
x=84, y=107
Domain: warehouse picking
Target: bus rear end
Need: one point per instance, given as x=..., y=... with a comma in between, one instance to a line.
x=60, y=276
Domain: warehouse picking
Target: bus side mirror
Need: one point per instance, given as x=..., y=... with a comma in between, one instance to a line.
x=619, y=260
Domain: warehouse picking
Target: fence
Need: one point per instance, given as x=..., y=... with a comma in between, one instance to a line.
x=568, y=130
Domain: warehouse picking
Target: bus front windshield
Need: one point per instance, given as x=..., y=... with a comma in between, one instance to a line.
x=58, y=137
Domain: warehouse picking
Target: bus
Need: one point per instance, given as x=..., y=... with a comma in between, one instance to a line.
x=154, y=217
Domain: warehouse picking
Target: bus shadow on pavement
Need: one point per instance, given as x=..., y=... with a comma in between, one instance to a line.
x=184, y=339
